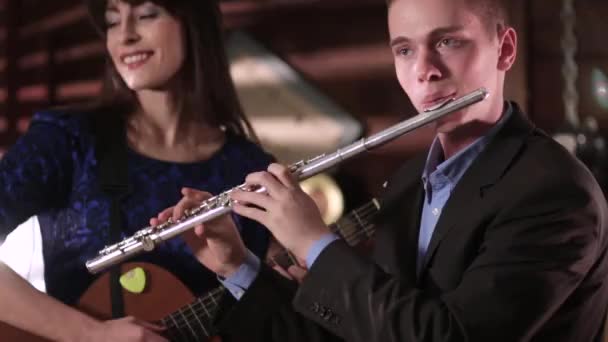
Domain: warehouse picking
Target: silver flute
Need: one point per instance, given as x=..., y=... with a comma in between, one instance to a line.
x=148, y=238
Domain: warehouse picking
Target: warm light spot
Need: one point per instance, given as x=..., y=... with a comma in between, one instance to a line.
x=33, y=93
x=79, y=89
x=22, y=124
x=33, y=60
x=80, y=51
x=3, y=124
x=54, y=22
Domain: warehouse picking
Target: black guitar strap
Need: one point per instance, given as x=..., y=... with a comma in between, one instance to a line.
x=111, y=150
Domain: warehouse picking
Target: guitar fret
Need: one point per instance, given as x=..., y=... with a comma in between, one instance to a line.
x=205, y=331
x=169, y=328
x=206, y=310
x=194, y=334
x=369, y=230
x=214, y=301
x=361, y=224
x=177, y=327
x=336, y=228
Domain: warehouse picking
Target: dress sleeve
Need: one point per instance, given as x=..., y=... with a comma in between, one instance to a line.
x=36, y=172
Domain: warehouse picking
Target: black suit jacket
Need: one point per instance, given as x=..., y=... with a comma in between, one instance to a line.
x=518, y=254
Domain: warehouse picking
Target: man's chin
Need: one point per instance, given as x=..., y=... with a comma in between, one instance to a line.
x=445, y=126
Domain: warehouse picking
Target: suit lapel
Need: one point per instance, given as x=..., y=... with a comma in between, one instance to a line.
x=397, y=240
x=485, y=171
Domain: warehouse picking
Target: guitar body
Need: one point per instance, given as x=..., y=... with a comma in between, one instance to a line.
x=163, y=295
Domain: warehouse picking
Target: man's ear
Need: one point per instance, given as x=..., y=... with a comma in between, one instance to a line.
x=508, y=48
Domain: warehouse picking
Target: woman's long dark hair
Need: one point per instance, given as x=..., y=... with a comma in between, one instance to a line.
x=205, y=85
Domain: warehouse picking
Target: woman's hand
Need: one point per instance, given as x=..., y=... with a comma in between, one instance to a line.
x=217, y=244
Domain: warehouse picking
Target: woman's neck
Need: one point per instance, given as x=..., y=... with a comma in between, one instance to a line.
x=159, y=129
x=159, y=118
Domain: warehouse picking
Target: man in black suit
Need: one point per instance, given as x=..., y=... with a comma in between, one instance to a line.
x=495, y=234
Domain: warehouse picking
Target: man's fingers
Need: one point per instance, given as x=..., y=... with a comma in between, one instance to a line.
x=251, y=213
x=282, y=272
x=297, y=272
x=247, y=197
x=281, y=172
x=267, y=180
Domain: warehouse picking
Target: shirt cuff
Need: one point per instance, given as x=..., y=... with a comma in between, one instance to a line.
x=318, y=247
x=240, y=280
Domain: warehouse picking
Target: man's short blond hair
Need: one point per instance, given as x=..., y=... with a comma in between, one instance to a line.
x=492, y=13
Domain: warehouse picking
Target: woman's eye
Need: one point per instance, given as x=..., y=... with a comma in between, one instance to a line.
x=112, y=19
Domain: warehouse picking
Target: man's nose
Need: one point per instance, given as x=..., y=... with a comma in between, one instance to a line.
x=427, y=67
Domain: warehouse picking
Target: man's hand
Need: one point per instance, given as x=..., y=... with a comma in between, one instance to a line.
x=217, y=244
x=289, y=213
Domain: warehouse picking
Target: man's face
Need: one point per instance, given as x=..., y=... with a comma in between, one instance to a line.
x=442, y=49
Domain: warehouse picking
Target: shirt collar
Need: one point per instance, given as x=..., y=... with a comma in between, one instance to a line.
x=454, y=168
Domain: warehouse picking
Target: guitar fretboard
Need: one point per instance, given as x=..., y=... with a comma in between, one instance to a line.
x=193, y=322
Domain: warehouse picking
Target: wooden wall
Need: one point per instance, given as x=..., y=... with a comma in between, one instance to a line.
x=52, y=55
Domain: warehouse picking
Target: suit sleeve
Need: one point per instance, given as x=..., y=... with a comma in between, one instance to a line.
x=532, y=257
x=265, y=314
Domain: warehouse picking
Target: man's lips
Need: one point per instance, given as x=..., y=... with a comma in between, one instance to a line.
x=435, y=99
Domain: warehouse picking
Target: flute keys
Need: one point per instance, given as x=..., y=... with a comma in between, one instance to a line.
x=147, y=244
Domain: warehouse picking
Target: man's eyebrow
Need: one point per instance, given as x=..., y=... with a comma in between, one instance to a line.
x=443, y=30
x=399, y=40
x=437, y=32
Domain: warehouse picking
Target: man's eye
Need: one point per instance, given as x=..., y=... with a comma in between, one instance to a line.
x=449, y=42
x=404, y=51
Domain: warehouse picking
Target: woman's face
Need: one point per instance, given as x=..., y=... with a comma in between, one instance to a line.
x=146, y=44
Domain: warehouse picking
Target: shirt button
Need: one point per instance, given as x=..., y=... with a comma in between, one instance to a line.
x=435, y=211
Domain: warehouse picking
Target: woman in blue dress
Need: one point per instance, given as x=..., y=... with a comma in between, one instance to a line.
x=168, y=83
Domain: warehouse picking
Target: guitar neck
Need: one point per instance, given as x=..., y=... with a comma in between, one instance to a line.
x=194, y=322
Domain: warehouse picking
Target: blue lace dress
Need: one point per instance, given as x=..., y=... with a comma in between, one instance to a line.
x=51, y=172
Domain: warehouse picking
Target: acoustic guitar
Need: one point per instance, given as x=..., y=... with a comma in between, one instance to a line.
x=166, y=300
